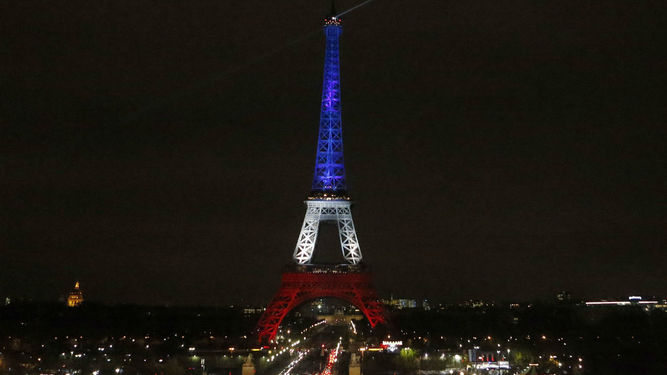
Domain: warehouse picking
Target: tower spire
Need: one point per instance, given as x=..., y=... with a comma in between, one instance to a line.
x=329, y=175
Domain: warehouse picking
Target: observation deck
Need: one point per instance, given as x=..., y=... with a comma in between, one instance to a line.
x=328, y=195
x=327, y=268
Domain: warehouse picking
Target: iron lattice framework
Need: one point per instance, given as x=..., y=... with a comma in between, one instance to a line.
x=329, y=176
x=300, y=287
x=321, y=211
x=327, y=202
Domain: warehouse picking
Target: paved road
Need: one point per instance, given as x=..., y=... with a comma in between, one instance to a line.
x=318, y=345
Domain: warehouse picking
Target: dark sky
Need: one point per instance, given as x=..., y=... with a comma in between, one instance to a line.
x=160, y=151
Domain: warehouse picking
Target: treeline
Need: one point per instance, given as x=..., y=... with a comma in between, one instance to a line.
x=612, y=340
x=95, y=320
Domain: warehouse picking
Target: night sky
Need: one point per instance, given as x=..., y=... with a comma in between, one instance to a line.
x=160, y=151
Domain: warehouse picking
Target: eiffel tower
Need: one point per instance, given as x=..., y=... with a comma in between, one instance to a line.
x=328, y=202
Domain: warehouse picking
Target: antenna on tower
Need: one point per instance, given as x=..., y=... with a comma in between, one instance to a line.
x=332, y=12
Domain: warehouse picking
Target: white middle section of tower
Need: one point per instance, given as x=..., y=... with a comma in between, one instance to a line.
x=318, y=211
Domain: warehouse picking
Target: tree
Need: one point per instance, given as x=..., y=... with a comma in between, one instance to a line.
x=407, y=360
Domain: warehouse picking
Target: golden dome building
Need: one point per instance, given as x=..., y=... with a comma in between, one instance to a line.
x=75, y=297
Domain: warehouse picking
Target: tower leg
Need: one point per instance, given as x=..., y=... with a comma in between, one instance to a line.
x=280, y=305
x=308, y=236
x=348, y=236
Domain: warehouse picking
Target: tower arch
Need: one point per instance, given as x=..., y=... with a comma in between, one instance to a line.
x=320, y=282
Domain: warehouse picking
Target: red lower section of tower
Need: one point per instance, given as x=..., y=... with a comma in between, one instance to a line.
x=299, y=287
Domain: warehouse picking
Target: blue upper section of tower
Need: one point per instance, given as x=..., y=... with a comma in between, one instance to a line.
x=329, y=177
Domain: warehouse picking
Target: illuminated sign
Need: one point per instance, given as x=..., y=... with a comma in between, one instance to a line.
x=391, y=345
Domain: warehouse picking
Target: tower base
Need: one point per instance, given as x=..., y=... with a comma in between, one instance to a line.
x=348, y=283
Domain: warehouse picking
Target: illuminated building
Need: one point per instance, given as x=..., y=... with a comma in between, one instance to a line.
x=400, y=303
x=476, y=304
x=75, y=297
x=391, y=346
x=253, y=310
x=563, y=296
x=487, y=359
x=328, y=202
x=426, y=305
x=631, y=301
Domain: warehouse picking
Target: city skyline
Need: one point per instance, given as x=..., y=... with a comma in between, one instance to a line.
x=163, y=155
